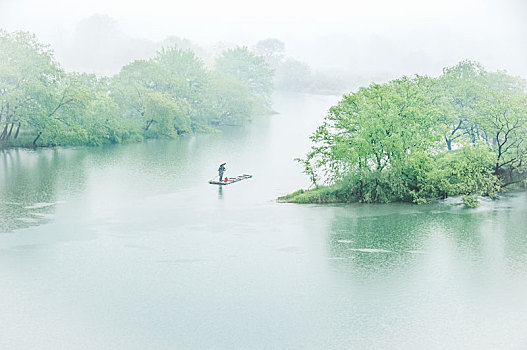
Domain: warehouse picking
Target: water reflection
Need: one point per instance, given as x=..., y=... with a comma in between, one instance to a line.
x=32, y=183
x=381, y=240
x=137, y=230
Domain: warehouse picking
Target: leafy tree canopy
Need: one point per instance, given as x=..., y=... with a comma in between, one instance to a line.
x=417, y=138
x=167, y=95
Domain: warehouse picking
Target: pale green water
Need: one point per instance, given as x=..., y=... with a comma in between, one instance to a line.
x=129, y=247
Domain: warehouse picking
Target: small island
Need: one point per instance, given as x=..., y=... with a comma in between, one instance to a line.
x=418, y=138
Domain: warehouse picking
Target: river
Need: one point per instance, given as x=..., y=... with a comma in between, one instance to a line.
x=129, y=247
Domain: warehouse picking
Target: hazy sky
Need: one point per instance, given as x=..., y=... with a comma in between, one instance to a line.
x=373, y=37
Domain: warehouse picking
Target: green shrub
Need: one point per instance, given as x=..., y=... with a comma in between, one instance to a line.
x=470, y=201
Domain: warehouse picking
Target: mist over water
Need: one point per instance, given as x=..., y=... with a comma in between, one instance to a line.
x=378, y=40
x=128, y=246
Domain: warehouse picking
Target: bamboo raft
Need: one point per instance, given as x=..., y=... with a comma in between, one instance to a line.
x=231, y=180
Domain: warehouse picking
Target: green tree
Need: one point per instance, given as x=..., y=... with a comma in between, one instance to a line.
x=164, y=116
x=27, y=69
x=184, y=76
x=420, y=138
x=504, y=118
x=249, y=69
x=293, y=75
x=232, y=102
x=272, y=50
x=170, y=94
x=457, y=93
x=129, y=88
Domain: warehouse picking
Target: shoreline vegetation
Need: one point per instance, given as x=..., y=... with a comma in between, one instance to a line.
x=180, y=90
x=419, y=138
x=170, y=94
x=411, y=139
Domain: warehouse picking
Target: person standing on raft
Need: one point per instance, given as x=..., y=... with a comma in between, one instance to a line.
x=221, y=170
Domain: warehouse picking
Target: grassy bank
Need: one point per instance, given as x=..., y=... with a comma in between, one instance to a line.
x=321, y=194
x=338, y=194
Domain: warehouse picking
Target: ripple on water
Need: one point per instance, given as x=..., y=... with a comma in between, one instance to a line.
x=416, y=252
x=367, y=250
x=28, y=220
x=39, y=205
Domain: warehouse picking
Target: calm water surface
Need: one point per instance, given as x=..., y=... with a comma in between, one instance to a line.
x=129, y=247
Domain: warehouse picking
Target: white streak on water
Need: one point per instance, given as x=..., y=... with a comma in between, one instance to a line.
x=416, y=252
x=39, y=205
x=365, y=250
x=27, y=219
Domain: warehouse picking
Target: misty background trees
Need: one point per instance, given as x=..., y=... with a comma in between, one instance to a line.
x=177, y=88
x=172, y=93
x=409, y=139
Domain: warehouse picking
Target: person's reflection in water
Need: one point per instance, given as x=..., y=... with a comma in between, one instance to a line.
x=220, y=192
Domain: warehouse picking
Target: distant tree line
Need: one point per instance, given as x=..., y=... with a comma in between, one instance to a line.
x=292, y=75
x=417, y=138
x=172, y=93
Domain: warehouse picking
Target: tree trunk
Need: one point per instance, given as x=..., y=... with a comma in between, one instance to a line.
x=148, y=124
x=10, y=131
x=2, y=135
x=521, y=178
x=448, y=143
x=17, y=130
x=36, y=138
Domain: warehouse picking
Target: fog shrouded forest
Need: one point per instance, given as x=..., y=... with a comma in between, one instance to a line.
x=368, y=40
x=181, y=89
x=170, y=94
x=410, y=139
x=375, y=154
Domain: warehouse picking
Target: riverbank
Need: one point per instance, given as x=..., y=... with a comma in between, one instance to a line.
x=26, y=137
x=335, y=194
x=136, y=229
x=170, y=94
